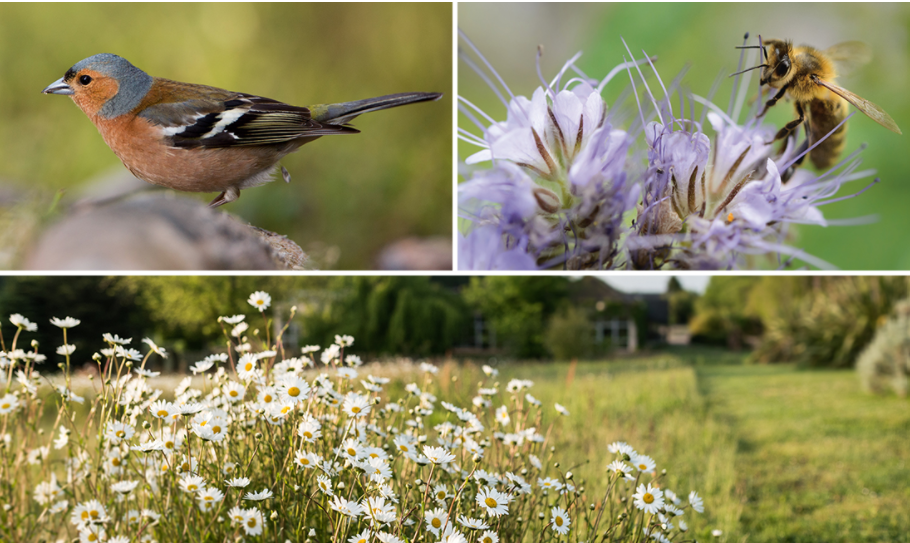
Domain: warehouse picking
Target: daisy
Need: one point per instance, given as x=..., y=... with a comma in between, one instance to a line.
x=258, y=496
x=147, y=373
x=90, y=511
x=562, y=410
x=310, y=349
x=260, y=300
x=246, y=366
x=502, y=415
x=643, y=462
x=234, y=391
x=535, y=461
x=389, y=538
x=621, y=448
x=472, y=523
x=163, y=410
x=116, y=339
x=266, y=395
x=149, y=446
x=237, y=482
x=252, y=518
x=683, y=527
x=347, y=373
x=59, y=507
x=436, y=519
x=192, y=483
x=620, y=468
x=91, y=534
x=649, y=499
x=47, y=492
x=356, y=405
x=438, y=455
x=345, y=507
x=21, y=322
x=533, y=401
x=363, y=537
x=202, y=366
x=239, y=329
x=549, y=484
x=309, y=430
x=118, y=431
x=325, y=485
x=696, y=502
x=495, y=503
x=66, y=349
x=208, y=497
x=232, y=320
x=489, y=537
x=560, y=520
x=8, y=404
x=491, y=372
x=294, y=388
x=124, y=487
x=67, y=322
x=306, y=460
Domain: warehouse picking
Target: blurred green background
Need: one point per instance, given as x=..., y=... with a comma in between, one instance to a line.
x=349, y=196
x=703, y=36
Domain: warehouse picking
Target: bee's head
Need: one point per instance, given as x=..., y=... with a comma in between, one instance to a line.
x=778, y=69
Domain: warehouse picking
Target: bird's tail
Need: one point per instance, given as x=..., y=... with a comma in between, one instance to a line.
x=345, y=112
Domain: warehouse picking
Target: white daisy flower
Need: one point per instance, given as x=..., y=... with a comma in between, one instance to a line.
x=502, y=415
x=124, y=487
x=356, y=405
x=436, y=519
x=237, y=482
x=208, y=497
x=234, y=391
x=643, y=462
x=489, y=537
x=619, y=467
x=325, y=485
x=260, y=300
x=438, y=455
x=8, y=404
x=562, y=410
x=21, y=322
x=252, y=521
x=294, y=388
x=192, y=483
x=233, y=320
x=560, y=520
x=67, y=322
x=472, y=523
x=494, y=503
x=696, y=502
x=345, y=507
x=306, y=460
x=648, y=499
x=363, y=537
x=258, y=496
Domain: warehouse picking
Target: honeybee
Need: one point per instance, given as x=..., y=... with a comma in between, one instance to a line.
x=807, y=76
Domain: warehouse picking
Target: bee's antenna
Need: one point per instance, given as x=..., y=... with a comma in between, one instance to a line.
x=750, y=69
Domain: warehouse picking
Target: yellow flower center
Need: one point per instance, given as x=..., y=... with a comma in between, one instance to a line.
x=208, y=498
x=304, y=461
x=403, y=448
x=216, y=429
x=437, y=523
x=490, y=502
x=294, y=391
x=558, y=521
x=352, y=451
x=233, y=393
x=355, y=409
x=162, y=413
x=93, y=514
x=169, y=444
x=115, y=462
x=251, y=523
x=84, y=515
x=92, y=537
x=285, y=409
x=5, y=406
x=120, y=433
x=487, y=539
x=267, y=398
x=308, y=435
x=648, y=498
x=192, y=487
x=248, y=366
x=642, y=467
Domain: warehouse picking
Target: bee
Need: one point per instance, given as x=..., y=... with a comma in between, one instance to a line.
x=806, y=75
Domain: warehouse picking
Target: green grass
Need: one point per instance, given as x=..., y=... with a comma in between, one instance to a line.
x=778, y=454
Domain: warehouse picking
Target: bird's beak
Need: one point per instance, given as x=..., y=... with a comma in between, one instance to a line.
x=58, y=87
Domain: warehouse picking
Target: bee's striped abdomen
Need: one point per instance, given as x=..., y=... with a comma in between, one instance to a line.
x=824, y=116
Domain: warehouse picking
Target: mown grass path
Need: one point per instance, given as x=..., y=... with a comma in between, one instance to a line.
x=817, y=459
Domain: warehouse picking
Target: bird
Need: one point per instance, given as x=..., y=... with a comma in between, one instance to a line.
x=197, y=138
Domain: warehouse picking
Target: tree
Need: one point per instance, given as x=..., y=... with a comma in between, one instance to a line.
x=518, y=308
x=722, y=314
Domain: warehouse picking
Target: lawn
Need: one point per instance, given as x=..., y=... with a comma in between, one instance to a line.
x=779, y=454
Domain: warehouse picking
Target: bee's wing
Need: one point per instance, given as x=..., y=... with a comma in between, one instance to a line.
x=849, y=55
x=874, y=112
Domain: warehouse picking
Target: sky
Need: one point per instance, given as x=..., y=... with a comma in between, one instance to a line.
x=656, y=283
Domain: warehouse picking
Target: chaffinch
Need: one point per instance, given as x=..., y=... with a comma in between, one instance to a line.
x=202, y=139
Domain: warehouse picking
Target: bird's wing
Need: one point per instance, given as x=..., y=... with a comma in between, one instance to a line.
x=236, y=120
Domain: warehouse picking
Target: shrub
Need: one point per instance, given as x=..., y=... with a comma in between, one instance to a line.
x=885, y=362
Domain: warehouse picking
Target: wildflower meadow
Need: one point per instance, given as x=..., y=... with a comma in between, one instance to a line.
x=269, y=442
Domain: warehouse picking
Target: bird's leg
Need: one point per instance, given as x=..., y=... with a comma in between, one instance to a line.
x=225, y=197
x=791, y=126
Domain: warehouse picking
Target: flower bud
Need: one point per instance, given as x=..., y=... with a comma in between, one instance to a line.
x=34, y=343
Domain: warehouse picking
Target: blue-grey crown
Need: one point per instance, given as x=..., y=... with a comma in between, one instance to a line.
x=134, y=83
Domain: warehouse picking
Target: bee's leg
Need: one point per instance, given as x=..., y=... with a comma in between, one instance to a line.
x=774, y=100
x=791, y=126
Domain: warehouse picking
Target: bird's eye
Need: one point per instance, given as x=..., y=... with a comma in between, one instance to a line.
x=85, y=80
x=783, y=67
